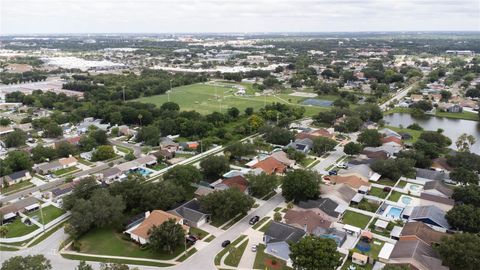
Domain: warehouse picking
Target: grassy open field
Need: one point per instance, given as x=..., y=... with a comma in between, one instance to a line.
x=205, y=99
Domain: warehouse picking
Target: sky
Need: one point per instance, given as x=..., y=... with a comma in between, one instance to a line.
x=192, y=16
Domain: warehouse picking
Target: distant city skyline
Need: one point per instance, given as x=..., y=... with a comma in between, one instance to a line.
x=237, y=16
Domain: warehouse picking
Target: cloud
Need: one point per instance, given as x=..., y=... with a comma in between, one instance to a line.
x=161, y=16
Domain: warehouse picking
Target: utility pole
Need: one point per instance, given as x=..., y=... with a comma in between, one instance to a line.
x=41, y=214
x=123, y=88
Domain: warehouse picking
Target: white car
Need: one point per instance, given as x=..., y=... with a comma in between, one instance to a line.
x=254, y=248
x=342, y=165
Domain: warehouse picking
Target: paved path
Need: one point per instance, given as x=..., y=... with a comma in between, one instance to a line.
x=400, y=94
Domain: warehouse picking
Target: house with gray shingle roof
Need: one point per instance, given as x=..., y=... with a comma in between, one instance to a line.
x=278, y=237
x=191, y=213
x=430, y=215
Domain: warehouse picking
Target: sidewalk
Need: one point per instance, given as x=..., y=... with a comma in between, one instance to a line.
x=248, y=259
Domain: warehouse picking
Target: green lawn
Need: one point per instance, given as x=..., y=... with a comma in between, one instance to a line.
x=462, y=115
x=395, y=196
x=401, y=184
x=210, y=238
x=375, y=249
x=265, y=227
x=260, y=223
x=15, y=187
x=84, y=162
x=414, y=133
x=357, y=267
x=198, y=232
x=190, y=252
x=106, y=241
x=355, y=219
x=18, y=228
x=108, y=260
x=385, y=182
x=233, y=221
x=233, y=259
x=219, y=256
x=206, y=99
x=124, y=149
x=49, y=213
x=261, y=256
x=307, y=161
x=66, y=170
x=378, y=192
x=159, y=166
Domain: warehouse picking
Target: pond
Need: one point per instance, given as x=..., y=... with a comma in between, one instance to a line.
x=453, y=128
x=317, y=102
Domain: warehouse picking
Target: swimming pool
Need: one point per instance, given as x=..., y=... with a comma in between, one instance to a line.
x=406, y=200
x=335, y=238
x=414, y=187
x=393, y=212
x=144, y=172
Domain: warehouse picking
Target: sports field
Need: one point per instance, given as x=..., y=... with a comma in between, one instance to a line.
x=207, y=98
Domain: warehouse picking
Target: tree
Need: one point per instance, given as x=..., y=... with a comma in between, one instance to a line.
x=226, y=204
x=214, y=166
x=301, y=185
x=150, y=135
x=107, y=209
x=15, y=138
x=277, y=135
x=313, y=253
x=249, y=111
x=370, y=137
x=4, y=122
x=83, y=266
x=166, y=237
x=233, y=112
x=18, y=160
x=129, y=157
x=467, y=194
x=295, y=155
x=3, y=231
x=465, y=217
x=103, y=152
x=30, y=262
x=52, y=130
x=394, y=168
x=460, y=251
x=277, y=217
x=238, y=150
x=352, y=148
x=322, y=145
x=262, y=184
x=184, y=175
x=170, y=106
x=256, y=122
x=464, y=176
x=464, y=142
x=466, y=160
x=87, y=143
x=435, y=137
x=99, y=136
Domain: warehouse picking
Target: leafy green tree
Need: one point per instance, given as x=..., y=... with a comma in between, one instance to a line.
x=4, y=121
x=83, y=266
x=352, y=148
x=249, y=111
x=65, y=149
x=466, y=160
x=99, y=136
x=233, y=112
x=238, y=149
x=313, y=253
x=295, y=155
x=322, y=145
x=464, y=176
x=3, y=231
x=277, y=217
x=255, y=122
x=30, y=262
x=276, y=135
x=421, y=160
x=150, y=135
x=215, y=166
x=18, y=160
x=465, y=217
x=394, y=168
x=107, y=209
x=87, y=143
x=469, y=194
x=130, y=156
x=52, y=130
x=15, y=138
x=435, y=137
x=301, y=185
x=464, y=142
x=184, y=175
x=370, y=137
x=103, y=152
x=166, y=237
x=460, y=251
x=262, y=184
x=226, y=204
x=41, y=153
x=170, y=106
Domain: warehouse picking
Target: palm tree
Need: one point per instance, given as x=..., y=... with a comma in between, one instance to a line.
x=3, y=231
x=140, y=116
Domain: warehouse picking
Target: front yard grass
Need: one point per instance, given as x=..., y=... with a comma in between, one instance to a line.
x=198, y=232
x=49, y=213
x=233, y=258
x=159, y=166
x=401, y=184
x=306, y=161
x=355, y=219
x=16, y=187
x=18, y=228
x=105, y=241
x=66, y=170
x=210, y=238
x=109, y=260
x=375, y=249
x=265, y=227
x=261, y=257
x=260, y=223
x=233, y=221
x=378, y=192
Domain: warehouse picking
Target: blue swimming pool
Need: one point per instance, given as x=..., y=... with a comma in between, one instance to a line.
x=406, y=200
x=394, y=212
x=142, y=171
x=335, y=238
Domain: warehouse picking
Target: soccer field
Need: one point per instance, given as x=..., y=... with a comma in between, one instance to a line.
x=205, y=99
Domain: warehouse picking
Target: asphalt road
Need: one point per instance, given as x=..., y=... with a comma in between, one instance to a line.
x=401, y=94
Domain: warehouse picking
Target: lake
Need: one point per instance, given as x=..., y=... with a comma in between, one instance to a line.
x=453, y=128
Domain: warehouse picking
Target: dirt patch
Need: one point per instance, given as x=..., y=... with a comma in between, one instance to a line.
x=273, y=264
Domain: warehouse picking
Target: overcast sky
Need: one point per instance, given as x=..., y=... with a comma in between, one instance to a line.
x=164, y=16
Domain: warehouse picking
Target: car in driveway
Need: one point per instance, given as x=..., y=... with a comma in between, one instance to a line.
x=254, y=248
x=332, y=173
x=342, y=165
x=192, y=239
x=254, y=220
x=226, y=243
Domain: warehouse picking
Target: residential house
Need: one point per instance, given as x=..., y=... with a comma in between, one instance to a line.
x=301, y=145
x=283, y=158
x=441, y=164
x=126, y=131
x=87, y=155
x=313, y=134
x=270, y=166
x=140, y=232
x=323, y=206
x=111, y=174
x=5, y=130
x=62, y=190
x=146, y=161
x=428, y=175
x=164, y=154
x=189, y=145
x=71, y=140
x=392, y=139
x=360, y=259
x=374, y=153
x=431, y=215
x=437, y=188
x=239, y=182
x=90, y=121
x=278, y=237
x=46, y=168
x=68, y=162
x=10, y=211
x=353, y=181
x=390, y=149
x=340, y=193
x=423, y=232
x=16, y=177
x=441, y=202
x=168, y=144
x=417, y=254
x=362, y=171
x=390, y=133
x=307, y=220
x=191, y=214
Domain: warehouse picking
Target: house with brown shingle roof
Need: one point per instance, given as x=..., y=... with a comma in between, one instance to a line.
x=140, y=232
x=417, y=254
x=238, y=182
x=391, y=139
x=306, y=219
x=270, y=166
x=421, y=231
x=353, y=181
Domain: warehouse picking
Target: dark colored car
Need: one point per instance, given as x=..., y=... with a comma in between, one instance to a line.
x=332, y=173
x=254, y=220
x=191, y=239
x=225, y=243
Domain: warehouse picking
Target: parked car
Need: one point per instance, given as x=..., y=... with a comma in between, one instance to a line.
x=191, y=239
x=332, y=173
x=342, y=165
x=254, y=248
x=225, y=243
x=254, y=220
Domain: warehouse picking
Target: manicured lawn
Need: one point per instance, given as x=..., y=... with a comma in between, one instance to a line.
x=15, y=187
x=206, y=99
x=233, y=221
x=462, y=115
x=3, y=248
x=219, y=256
x=106, y=241
x=84, y=161
x=108, y=260
x=367, y=206
x=265, y=227
x=395, y=196
x=233, y=259
x=385, y=182
x=190, y=252
x=159, y=166
x=210, y=238
x=260, y=223
x=355, y=219
x=401, y=184
x=49, y=213
x=306, y=161
x=357, y=267
x=414, y=133
x=375, y=249
x=378, y=192
x=18, y=228
x=66, y=170
x=277, y=209
x=124, y=149
x=198, y=232
x=261, y=256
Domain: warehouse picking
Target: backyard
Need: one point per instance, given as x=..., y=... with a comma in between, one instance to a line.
x=355, y=219
x=49, y=213
x=18, y=228
x=378, y=192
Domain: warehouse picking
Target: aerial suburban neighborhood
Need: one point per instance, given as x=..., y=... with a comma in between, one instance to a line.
x=298, y=150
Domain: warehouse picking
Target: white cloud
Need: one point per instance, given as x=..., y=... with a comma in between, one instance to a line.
x=159, y=16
